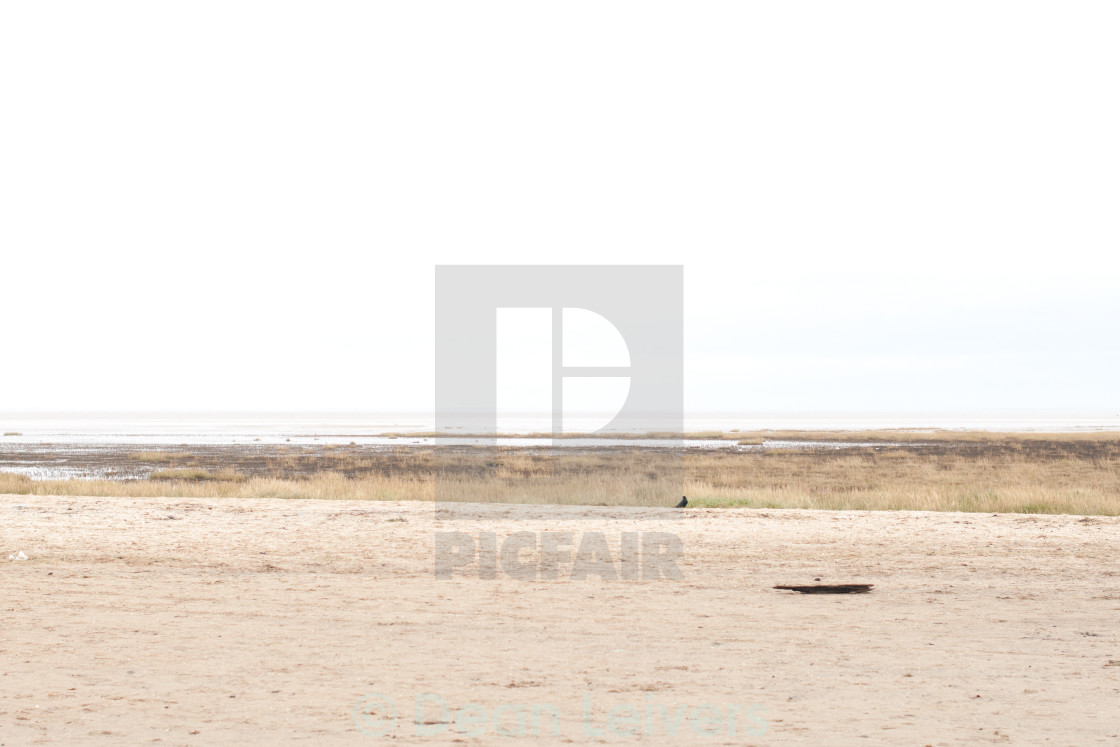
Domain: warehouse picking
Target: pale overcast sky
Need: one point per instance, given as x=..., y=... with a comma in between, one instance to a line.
x=879, y=206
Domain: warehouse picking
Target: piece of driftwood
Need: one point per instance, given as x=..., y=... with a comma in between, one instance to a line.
x=830, y=588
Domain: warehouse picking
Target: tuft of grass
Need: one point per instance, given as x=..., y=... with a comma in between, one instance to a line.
x=197, y=475
x=13, y=433
x=15, y=484
x=157, y=457
x=182, y=474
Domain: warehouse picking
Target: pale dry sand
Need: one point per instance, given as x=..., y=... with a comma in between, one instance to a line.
x=266, y=621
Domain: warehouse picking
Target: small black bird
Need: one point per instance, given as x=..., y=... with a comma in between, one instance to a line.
x=684, y=502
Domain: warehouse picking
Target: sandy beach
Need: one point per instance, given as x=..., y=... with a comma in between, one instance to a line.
x=202, y=621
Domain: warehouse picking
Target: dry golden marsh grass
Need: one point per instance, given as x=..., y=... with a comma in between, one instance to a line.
x=984, y=472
